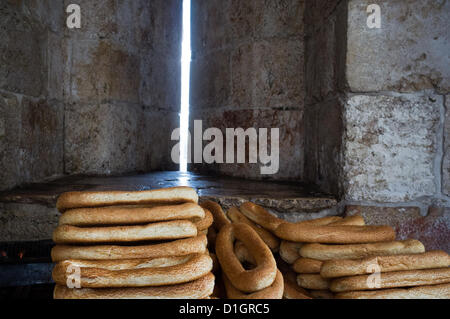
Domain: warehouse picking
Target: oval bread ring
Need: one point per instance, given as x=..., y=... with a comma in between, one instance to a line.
x=66, y=234
x=178, y=247
x=274, y=291
x=255, y=279
x=313, y=281
x=393, y=279
x=129, y=215
x=289, y=251
x=355, y=251
x=220, y=219
x=260, y=216
x=205, y=222
x=352, y=267
x=173, y=195
x=291, y=289
x=237, y=217
x=420, y=292
x=334, y=234
x=355, y=220
x=307, y=266
x=176, y=270
x=197, y=289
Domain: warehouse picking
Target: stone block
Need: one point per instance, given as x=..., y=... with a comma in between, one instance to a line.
x=27, y=222
x=103, y=71
x=323, y=144
x=22, y=63
x=291, y=140
x=160, y=85
x=390, y=146
x=32, y=140
x=268, y=74
x=210, y=80
x=408, y=53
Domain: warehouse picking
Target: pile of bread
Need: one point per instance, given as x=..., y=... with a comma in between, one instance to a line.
x=144, y=244
x=154, y=244
x=337, y=257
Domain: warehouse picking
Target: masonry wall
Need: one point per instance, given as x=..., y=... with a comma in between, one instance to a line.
x=376, y=112
x=248, y=71
x=102, y=99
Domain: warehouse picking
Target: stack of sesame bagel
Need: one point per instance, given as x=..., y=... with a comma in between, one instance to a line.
x=337, y=257
x=139, y=244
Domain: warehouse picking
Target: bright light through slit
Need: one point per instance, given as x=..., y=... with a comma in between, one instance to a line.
x=185, y=75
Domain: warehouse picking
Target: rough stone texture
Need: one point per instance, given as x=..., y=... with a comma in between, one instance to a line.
x=290, y=140
x=446, y=156
x=102, y=71
x=414, y=42
x=432, y=230
x=323, y=144
x=248, y=67
x=27, y=222
x=115, y=138
x=389, y=147
x=31, y=137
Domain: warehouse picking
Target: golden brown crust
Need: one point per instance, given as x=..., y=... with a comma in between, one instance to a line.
x=421, y=292
x=355, y=220
x=66, y=234
x=291, y=289
x=198, y=289
x=178, y=247
x=176, y=271
x=300, y=232
x=219, y=217
x=173, y=195
x=237, y=217
x=307, y=266
x=394, y=279
x=351, y=267
x=205, y=222
x=289, y=251
x=129, y=214
x=274, y=291
x=313, y=281
x=354, y=251
x=260, y=216
x=255, y=279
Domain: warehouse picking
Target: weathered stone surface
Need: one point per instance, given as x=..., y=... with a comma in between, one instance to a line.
x=27, y=222
x=103, y=71
x=267, y=73
x=210, y=80
x=446, y=155
x=324, y=128
x=318, y=11
x=31, y=140
x=325, y=54
x=432, y=230
x=291, y=150
x=22, y=63
x=101, y=138
x=219, y=24
x=406, y=54
x=390, y=145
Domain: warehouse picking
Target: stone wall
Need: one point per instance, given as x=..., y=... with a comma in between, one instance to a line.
x=102, y=99
x=375, y=100
x=31, y=97
x=247, y=71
